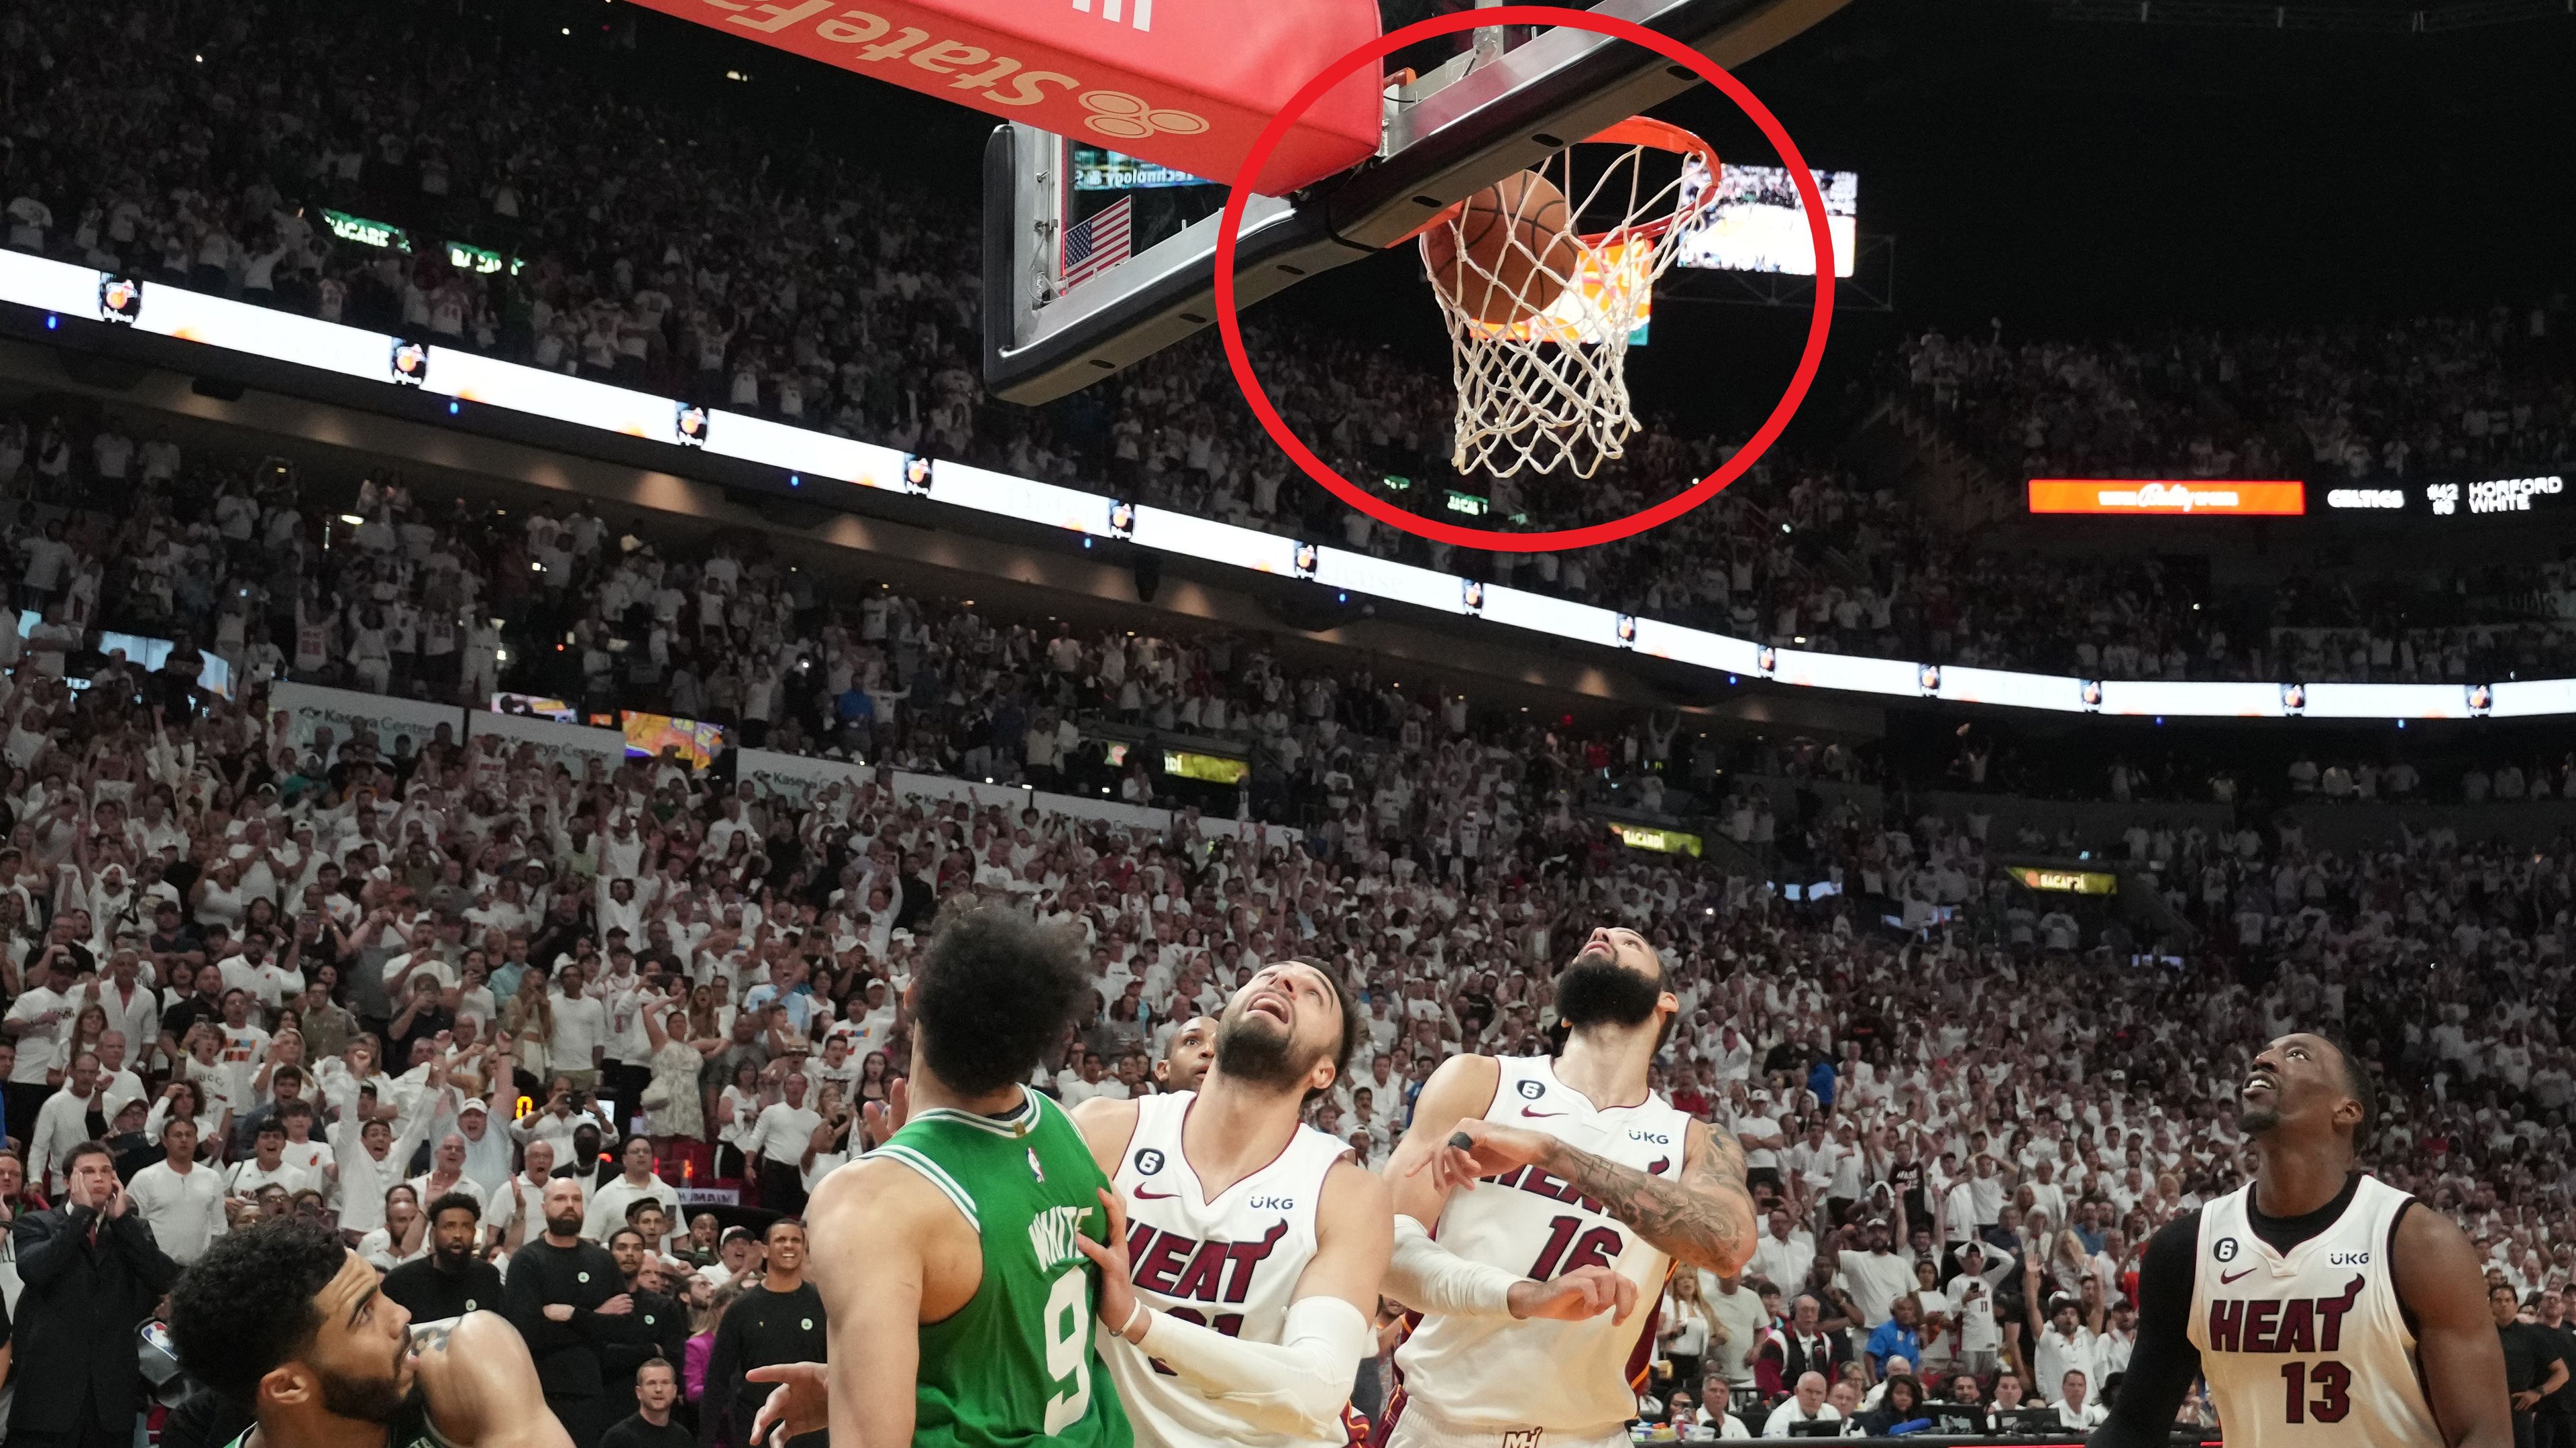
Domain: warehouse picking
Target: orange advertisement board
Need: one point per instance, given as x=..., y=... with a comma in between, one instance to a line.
x=2156, y=497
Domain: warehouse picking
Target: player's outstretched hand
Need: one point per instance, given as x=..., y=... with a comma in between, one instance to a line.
x=885, y=1118
x=1581, y=1293
x=1117, y=1286
x=800, y=1404
x=1480, y=1148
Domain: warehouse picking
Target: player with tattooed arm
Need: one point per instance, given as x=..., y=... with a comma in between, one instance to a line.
x=1537, y=1202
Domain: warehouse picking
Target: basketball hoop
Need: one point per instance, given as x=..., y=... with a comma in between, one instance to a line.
x=1547, y=387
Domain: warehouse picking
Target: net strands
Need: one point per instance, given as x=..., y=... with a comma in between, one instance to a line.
x=1549, y=390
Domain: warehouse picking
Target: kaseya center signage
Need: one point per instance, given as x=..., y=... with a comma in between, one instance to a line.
x=2068, y=882
x=2157, y=497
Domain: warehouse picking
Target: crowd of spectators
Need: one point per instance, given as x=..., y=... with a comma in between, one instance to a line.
x=2481, y=395
x=658, y=241
x=273, y=974
x=375, y=982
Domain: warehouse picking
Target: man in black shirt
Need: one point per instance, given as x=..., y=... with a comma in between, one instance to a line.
x=201, y=1006
x=2534, y=1365
x=567, y=1299
x=2558, y=1410
x=451, y=1281
x=662, y=1323
x=657, y=1386
x=423, y=1017
x=778, y=1320
x=175, y=946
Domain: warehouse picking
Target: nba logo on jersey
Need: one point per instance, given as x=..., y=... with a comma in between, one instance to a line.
x=1036, y=1170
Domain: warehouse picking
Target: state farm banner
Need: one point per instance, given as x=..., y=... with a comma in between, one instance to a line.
x=309, y=709
x=1182, y=83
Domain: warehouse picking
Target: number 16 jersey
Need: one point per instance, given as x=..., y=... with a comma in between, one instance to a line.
x=1574, y=1379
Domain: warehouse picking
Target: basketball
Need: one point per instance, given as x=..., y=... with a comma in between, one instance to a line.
x=1507, y=254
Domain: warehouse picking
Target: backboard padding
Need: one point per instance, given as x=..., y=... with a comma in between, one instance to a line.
x=1562, y=85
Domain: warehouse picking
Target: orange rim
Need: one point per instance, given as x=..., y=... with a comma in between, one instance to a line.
x=1635, y=131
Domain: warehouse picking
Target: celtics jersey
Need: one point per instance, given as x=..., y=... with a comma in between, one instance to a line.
x=1015, y=1365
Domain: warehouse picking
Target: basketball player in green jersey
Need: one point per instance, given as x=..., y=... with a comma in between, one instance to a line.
x=960, y=1304
x=287, y=1322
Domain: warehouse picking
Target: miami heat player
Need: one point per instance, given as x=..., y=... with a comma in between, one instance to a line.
x=1240, y=1277
x=1536, y=1201
x=2323, y=1307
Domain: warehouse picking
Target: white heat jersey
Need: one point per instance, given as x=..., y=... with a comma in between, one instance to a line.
x=1231, y=1264
x=2308, y=1348
x=1572, y=1379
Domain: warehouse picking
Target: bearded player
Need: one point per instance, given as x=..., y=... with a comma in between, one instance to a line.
x=290, y=1325
x=1240, y=1275
x=2322, y=1305
x=1536, y=1201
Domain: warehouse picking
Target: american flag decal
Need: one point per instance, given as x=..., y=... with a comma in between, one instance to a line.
x=1098, y=243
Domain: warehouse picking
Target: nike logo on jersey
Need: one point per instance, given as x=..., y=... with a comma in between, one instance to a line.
x=1143, y=1195
x=1657, y=1169
x=2226, y=1277
x=1525, y=1111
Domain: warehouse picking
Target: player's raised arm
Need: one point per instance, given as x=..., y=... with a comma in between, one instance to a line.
x=1463, y=1087
x=2440, y=1280
x=1703, y=1219
x=1296, y=1386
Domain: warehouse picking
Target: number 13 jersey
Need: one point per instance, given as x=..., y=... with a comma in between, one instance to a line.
x=1574, y=1379
x=2309, y=1346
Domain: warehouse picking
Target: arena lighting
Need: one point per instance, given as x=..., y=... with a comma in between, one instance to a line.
x=827, y=461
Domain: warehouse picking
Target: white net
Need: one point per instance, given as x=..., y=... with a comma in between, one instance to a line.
x=1547, y=387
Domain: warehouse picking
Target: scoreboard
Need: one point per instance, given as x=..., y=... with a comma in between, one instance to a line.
x=2221, y=498
x=2489, y=497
